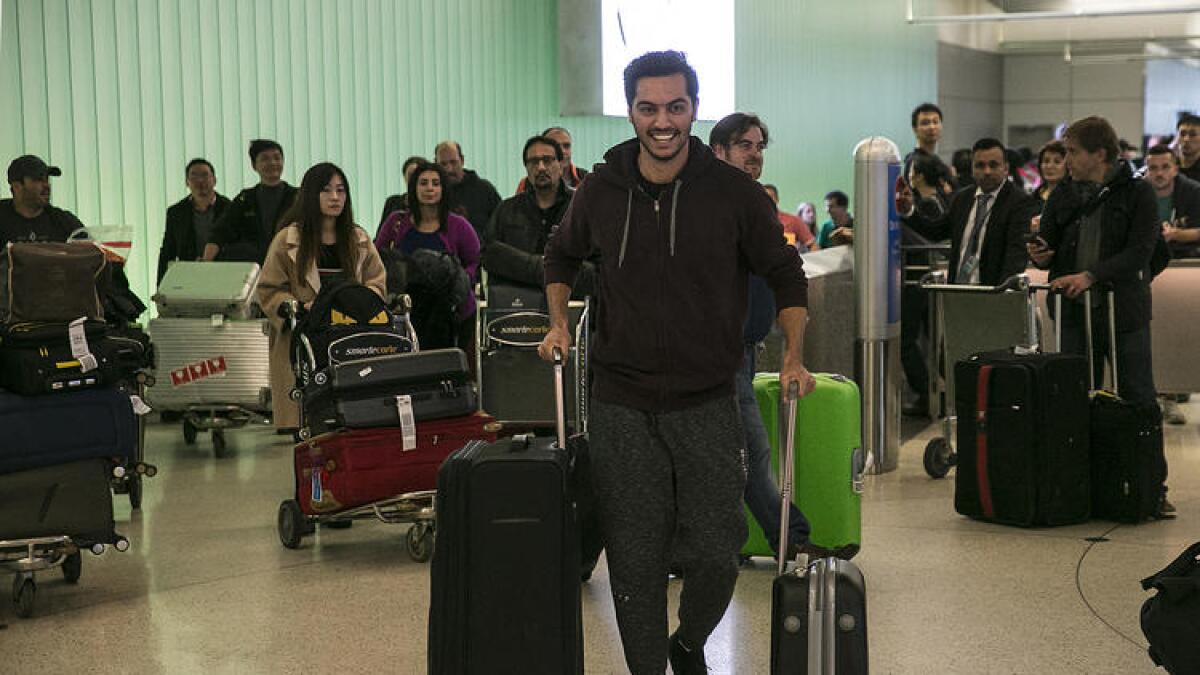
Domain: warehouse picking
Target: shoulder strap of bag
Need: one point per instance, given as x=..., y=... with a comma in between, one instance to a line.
x=1179, y=568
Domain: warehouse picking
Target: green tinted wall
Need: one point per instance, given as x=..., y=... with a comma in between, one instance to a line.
x=121, y=93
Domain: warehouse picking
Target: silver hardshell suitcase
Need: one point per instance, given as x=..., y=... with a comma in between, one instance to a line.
x=210, y=361
x=201, y=289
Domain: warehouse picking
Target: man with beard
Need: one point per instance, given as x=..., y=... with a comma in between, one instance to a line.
x=740, y=140
x=471, y=196
x=678, y=233
x=986, y=223
x=516, y=235
x=28, y=216
x=571, y=174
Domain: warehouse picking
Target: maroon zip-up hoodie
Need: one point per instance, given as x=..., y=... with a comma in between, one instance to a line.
x=673, y=275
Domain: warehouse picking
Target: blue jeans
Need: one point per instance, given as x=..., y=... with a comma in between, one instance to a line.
x=762, y=493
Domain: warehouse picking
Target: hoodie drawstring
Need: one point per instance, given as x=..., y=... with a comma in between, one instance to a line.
x=674, y=205
x=625, y=234
x=629, y=214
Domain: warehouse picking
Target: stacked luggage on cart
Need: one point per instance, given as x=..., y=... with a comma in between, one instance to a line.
x=213, y=367
x=378, y=416
x=71, y=433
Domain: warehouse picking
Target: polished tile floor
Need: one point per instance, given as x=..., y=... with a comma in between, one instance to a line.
x=207, y=588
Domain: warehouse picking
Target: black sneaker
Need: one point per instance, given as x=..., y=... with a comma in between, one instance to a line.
x=685, y=661
x=814, y=551
x=1166, y=510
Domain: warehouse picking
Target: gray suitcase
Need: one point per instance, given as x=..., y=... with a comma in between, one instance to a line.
x=201, y=289
x=210, y=362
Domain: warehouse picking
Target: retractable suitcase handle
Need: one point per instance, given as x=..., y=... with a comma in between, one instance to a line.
x=787, y=441
x=560, y=403
x=1112, y=339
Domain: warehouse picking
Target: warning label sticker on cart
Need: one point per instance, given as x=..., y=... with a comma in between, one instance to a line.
x=200, y=370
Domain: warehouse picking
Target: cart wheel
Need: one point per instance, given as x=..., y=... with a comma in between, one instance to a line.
x=291, y=524
x=24, y=593
x=938, y=458
x=303, y=433
x=420, y=543
x=189, y=432
x=72, y=567
x=218, y=441
x=135, y=491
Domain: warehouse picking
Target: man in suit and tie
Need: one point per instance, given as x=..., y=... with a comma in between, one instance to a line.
x=986, y=223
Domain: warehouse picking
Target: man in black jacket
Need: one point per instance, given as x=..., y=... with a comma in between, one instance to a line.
x=986, y=223
x=246, y=229
x=1099, y=229
x=470, y=196
x=516, y=235
x=29, y=216
x=190, y=220
x=678, y=233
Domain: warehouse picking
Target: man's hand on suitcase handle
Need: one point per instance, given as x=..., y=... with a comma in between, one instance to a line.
x=795, y=374
x=558, y=338
x=1073, y=285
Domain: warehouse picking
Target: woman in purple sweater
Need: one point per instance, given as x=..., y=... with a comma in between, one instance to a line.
x=428, y=224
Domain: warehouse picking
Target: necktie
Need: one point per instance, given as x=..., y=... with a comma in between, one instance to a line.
x=970, y=259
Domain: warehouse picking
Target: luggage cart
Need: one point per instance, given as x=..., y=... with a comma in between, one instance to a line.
x=416, y=508
x=974, y=319
x=25, y=557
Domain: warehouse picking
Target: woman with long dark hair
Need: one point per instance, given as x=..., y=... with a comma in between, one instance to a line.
x=318, y=243
x=429, y=225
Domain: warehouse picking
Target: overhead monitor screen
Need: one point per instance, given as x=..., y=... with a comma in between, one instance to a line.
x=701, y=29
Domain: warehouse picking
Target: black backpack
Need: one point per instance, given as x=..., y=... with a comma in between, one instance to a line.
x=438, y=286
x=347, y=322
x=1171, y=619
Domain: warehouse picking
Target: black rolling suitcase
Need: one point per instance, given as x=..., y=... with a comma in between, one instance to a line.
x=376, y=392
x=505, y=591
x=1129, y=468
x=1022, y=438
x=72, y=499
x=45, y=358
x=819, y=609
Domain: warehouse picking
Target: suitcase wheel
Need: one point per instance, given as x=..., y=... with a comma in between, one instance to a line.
x=189, y=432
x=218, y=441
x=419, y=542
x=72, y=567
x=291, y=524
x=938, y=458
x=294, y=394
x=23, y=595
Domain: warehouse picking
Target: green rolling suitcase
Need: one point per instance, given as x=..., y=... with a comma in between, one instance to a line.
x=829, y=459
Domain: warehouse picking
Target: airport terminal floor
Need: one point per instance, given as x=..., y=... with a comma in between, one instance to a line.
x=207, y=588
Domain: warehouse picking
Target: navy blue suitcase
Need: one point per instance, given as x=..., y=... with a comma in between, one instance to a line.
x=59, y=428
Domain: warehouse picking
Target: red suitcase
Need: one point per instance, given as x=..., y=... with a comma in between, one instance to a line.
x=346, y=469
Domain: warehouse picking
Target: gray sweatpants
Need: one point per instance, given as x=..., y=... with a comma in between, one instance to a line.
x=669, y=488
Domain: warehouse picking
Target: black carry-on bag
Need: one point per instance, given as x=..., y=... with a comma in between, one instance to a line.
x=818, y=609
x=1171, y=619
x=505, y=577
x=1129, y=469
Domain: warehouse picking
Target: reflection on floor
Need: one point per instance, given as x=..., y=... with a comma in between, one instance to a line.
x=207, y=588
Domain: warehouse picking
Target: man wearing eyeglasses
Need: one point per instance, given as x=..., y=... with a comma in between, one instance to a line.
x=516, y=235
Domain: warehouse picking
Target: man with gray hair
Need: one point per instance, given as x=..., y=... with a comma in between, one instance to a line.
x=470, y=196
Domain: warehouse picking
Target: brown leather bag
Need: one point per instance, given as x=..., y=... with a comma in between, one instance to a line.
x=50, y=282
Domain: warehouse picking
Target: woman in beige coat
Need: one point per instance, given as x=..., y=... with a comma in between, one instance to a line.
x=320, y=244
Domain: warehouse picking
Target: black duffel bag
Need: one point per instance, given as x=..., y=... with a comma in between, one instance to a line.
x=1171, y=619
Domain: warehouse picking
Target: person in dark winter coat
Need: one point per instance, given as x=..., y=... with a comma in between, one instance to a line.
x=471, y=196
x=249, y=225
x=191, y=219
x=678, y=233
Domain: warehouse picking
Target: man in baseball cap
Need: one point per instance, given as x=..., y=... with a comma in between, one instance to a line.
x=28, y=216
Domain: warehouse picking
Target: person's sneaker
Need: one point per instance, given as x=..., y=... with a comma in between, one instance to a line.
x=1166, y=510
x=814, y=551
x=1171, y=412
x=684, y=660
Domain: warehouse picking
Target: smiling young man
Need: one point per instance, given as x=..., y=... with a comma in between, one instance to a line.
x=246, y=229
x=677, y=232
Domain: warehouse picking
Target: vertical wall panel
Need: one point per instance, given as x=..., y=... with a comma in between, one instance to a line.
x=135, y=88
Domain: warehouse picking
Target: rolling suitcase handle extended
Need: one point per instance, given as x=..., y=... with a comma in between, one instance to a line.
x=787, y=431
x=1112, y=340
x=560, y=400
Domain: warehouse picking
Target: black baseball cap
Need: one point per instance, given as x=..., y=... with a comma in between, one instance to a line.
x=30, y=166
